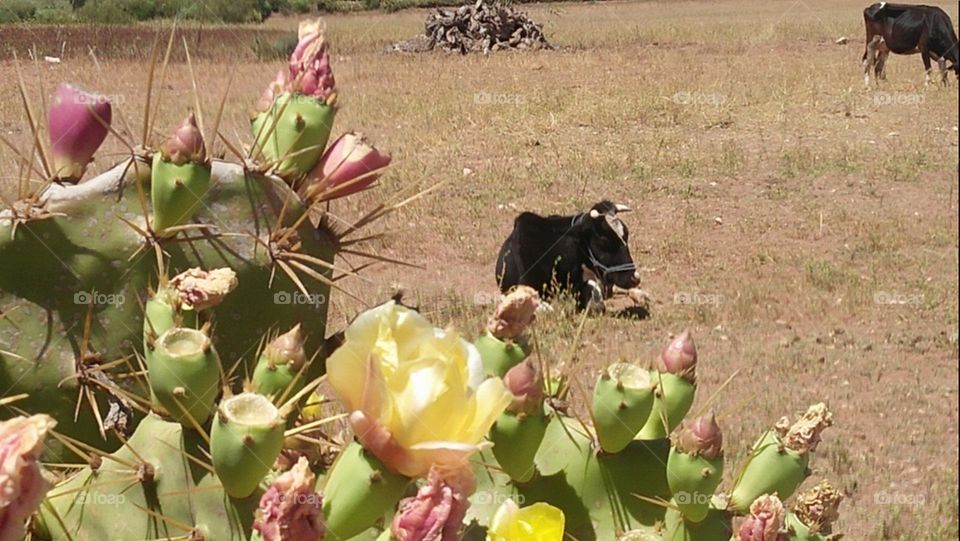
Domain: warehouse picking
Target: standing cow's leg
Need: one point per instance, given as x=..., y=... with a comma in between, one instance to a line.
x=870, y=58
x=942, y=64
x=882, y=65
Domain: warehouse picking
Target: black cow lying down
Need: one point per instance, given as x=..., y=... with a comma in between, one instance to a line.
x=587, y=254
x=908, y=29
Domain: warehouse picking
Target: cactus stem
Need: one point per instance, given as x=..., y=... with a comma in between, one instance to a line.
x=175, y=523
x=190, y=418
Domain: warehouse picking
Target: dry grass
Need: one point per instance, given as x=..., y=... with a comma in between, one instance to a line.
x=830, y=198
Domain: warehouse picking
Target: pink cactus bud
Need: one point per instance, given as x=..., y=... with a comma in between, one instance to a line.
x=77, y=121
x=275, y=88
x=291, y=510
x=436, y=513
x=765, y=522
x=22, y=485
x=679, y=357
x=350, y=165
x=287, y=348
x=526, y=383
x=310, y=72
x=514, y=313
x=702, y=436
x=186, y=144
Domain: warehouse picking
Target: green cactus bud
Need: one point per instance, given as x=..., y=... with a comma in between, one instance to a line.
x=358, y=491
x=695, y=466
x=177, y=192
x=672, y=400
x=778, y=462
x=622, y=400
x=500, y=356
x=294, y=133
x=277, y=370
x=184, y=375
x=245, y=439
x=516, y=439
x=164, y=311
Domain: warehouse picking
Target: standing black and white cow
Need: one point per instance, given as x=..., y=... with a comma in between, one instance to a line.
x=569, y=253
x=908, y=29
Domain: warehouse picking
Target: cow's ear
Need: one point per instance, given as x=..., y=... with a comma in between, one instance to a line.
x=622, y=208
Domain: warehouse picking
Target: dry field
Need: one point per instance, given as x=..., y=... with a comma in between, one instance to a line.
x=803, y=227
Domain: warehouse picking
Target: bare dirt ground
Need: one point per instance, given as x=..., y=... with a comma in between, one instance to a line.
x=803, y=227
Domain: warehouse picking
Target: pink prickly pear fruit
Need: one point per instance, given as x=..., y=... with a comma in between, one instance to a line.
x=695, y=466
x=765, y=522
x=291, y=509
x=350, y=165
x=436, y=513
x=679, y=357
x=77, y=122
x=22, y=485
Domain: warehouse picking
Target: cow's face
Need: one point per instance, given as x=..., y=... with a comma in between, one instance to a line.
x=608, y=246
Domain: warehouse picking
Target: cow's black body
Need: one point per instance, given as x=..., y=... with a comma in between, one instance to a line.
x=909, y=29
x=550, y=253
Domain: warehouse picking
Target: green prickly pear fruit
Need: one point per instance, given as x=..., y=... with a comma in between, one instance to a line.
x=622, y=400
x=180, y=178
x=164, y=311
x=278, y=371
x=814, y=513
x=717, y=525
x=245, y=439
x=695, y=466
x=499, y=356
x=358, y=491
x=516, y=439
x=184, y=375
x=676, y=382
x=778, y=462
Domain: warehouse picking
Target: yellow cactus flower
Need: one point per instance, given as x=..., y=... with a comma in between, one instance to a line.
x=538, y=522
x=417, y=394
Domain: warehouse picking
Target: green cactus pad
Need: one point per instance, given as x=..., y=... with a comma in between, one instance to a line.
x=693, y=479
x=245, y=439
x=673, y=399
x=358, y=491
x=499, y=356
x=716, y=526
x=799, y=531
x=770, y=469
x=622, y=400
x=56, y=271
x=177, y=192
x=107, y=505
x=300, y=137
x=184, y=375
x=516, y=439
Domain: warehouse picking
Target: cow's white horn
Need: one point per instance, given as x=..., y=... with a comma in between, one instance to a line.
x=594, y=213
x=623, y=208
